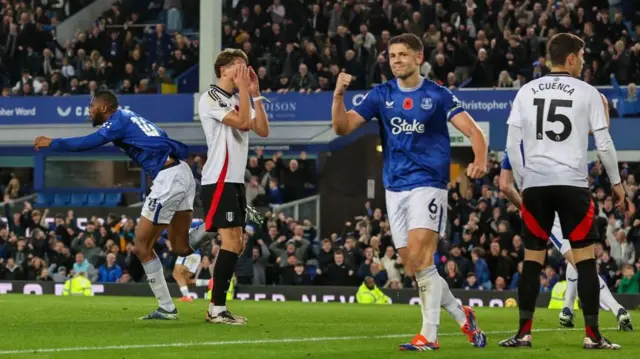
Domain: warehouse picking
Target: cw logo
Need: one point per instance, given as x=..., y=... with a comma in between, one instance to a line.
x=64, y=112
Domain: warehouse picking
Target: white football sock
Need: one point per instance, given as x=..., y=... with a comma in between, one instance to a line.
x=184, y=290
x=430, y=289
x=451, y=305
x=572, y=287
x=607, y=300
x=158, y=284
x=216, y=309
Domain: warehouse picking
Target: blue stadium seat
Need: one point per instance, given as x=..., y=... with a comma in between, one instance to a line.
x=112, y=199
x=61, y=199
x=95, y=199
x=78, y=199
x=43, y=200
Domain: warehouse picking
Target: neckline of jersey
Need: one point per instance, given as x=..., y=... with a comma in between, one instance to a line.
x=404, y=89
x=228, y=94
x=559, y=73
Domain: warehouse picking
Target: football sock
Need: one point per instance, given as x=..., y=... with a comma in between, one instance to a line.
x=589, y=293
x=451, y=305
x=528, y=289
x=158, y=284
x=430, y=289
x=572, y=287
x=223, y=271
x=607, y=300
x=184, y=290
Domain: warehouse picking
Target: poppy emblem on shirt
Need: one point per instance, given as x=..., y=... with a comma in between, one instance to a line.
x=237, y=108
x=407, y=104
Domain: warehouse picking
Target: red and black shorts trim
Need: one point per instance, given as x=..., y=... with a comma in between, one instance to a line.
x=225, y=205
x=574, y=207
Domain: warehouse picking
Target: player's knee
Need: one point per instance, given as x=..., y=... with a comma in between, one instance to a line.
x=141, y=251
x=583, y=253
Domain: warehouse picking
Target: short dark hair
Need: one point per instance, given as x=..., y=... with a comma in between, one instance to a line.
x=339, y=251
x=109, y=97
x=412, y=41
x=561, y=46
x=226, y=57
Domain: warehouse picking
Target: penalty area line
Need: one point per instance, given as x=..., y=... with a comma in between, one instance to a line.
x=257, y=341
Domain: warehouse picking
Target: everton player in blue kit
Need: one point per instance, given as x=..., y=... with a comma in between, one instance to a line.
x=170, y=203
x=413, y=114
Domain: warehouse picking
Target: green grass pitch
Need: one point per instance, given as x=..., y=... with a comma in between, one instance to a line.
x=107, y=327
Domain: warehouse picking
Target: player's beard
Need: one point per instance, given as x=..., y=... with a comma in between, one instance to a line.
x=406, y=75
x=97, y=120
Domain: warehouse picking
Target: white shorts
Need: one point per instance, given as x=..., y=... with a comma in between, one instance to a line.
x=173, y=190
x=191, y=261
x=422, y=207
x=563, y=245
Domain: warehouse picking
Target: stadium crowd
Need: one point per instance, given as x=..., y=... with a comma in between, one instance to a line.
x=481, y=249
x=303, y=45
x=118, y=52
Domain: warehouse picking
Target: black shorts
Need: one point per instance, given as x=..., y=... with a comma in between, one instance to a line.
x=575, y=210
x=224, y=204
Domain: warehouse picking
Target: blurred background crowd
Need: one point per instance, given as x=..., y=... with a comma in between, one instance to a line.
x=482, y=248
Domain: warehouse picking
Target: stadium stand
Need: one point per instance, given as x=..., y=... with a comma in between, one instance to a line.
x=301, y=46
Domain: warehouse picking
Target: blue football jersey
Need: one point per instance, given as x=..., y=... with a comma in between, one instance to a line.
x=414, y=132
x=144, y=142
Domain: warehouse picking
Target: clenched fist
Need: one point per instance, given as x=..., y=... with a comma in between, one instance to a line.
x=344, y=79
x=476, y=171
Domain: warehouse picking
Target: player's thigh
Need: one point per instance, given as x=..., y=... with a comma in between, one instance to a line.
x=397, y=214
x=577, y=213
x=427, y=209
x=223, y=204
x=538, y=214
x=179, y=269
x=147, y=233
x=178, y=230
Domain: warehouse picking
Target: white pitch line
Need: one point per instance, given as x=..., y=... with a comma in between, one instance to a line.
x=258, y=341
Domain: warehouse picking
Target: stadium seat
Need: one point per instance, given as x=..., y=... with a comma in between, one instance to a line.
x=112, y=199
x=61, y=199
x=95, y=199
x=43, y=200
x=78, y=199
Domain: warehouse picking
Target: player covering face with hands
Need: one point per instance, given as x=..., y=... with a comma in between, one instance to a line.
x=414, y=114
x=226, y=115
x=169, y=205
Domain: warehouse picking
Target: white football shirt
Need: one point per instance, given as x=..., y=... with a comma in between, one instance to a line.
x=555, y=114
x=228, y=147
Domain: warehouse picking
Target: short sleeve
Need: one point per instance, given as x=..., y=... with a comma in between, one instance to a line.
x=450, y=103
x=368, y=107
x=506, y=165
x=597, y=112
x=514, y=116
x=212, y=108
x=113, y=129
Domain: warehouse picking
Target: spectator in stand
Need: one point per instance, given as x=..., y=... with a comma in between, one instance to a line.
x=109, y=272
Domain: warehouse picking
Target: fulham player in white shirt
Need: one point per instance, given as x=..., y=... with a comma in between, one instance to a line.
x=551, y=119
x=227, y=116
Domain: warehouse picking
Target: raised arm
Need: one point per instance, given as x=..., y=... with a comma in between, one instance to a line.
x=344, y=122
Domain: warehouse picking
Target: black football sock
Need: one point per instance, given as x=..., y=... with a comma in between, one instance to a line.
x=528, y=290
x=222, y=273
x=589, y=294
